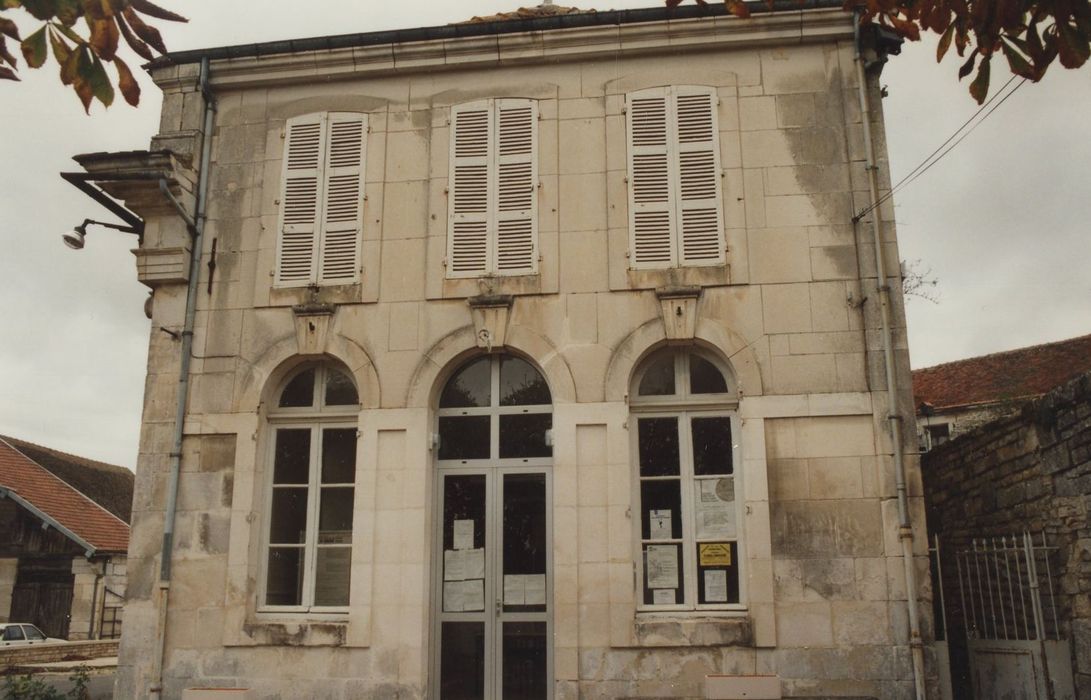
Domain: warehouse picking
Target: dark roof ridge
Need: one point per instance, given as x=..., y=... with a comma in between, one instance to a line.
x=90, y=500
x=68, y=455
x=1002, y=353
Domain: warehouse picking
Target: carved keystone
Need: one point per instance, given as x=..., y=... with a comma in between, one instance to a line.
x=678, y=305
x=312, y=325
x=490, y=314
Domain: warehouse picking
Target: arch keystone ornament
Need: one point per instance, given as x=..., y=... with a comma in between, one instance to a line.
x=490, y=315
x=678, y=307
x=312, y=325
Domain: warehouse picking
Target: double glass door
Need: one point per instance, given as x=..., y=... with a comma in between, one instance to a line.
x=493, y=584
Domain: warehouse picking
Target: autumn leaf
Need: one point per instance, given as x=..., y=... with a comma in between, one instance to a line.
x=147, y=33
x=1072, y=49
x=737, y=8
x=104, y=36
x=68, y=11
x=979, y=88
x=159, y=13
x=8, y=74
x=945, y=42
x=136, y=44
x=1016, y=61
x=6, y=55
x=8, y=27
x=968, y=66
x=130, y=89
x=34, y=48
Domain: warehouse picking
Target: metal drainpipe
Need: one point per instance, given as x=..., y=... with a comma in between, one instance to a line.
x=905, y=528
x=197, y=232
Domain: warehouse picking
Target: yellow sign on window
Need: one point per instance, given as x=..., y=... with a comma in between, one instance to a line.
x=715, y=554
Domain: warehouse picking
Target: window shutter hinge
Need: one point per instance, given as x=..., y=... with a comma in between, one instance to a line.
x=445, y=262
x=446, y=190
x=625, y=109
x=628, y=254
x=626, y=179
x=283, y=134
x=434, y=442
x=369, y=128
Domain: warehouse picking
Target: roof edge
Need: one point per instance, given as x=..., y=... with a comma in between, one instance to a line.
x=89, y=549
x=589, y=18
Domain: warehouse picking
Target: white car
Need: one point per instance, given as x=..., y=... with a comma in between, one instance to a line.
x=21, y=633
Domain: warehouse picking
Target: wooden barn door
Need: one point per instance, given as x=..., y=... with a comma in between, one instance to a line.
x=43, y=595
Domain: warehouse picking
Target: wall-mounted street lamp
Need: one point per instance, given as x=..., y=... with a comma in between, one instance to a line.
x=74, y=239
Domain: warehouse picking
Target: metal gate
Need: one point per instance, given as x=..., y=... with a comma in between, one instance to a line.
x=1006, y=615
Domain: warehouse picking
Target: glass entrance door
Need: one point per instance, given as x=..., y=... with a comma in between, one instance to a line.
x=493, y=606
x=492, y=577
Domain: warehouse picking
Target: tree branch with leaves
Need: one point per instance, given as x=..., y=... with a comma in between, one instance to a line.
x=84, y=35
x=1031, y=34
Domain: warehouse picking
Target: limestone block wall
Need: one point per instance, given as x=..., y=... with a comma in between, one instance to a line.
x=1028, y=472
x=8, y=569
x=90, y=579
x=793, y=312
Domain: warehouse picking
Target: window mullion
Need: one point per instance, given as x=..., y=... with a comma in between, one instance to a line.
x=313, y=501
x=689, y=531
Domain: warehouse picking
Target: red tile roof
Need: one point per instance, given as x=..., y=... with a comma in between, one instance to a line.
x=70, y=508
x=1004, y=376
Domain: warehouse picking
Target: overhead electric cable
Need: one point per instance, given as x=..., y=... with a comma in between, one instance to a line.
x=933, y=158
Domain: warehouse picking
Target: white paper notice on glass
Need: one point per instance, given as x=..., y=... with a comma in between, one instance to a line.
x=473, y=561
x=453, y=599
x=454, y=566
x=663, y=596
x=473, y=593
x=662, y=561
x=660, y=524
x=715, y=505
x=515, y=589
x=716, y=586
x=535, y=589
x=464, y=534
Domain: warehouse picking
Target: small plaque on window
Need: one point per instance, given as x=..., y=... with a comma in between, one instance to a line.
x=660, y=525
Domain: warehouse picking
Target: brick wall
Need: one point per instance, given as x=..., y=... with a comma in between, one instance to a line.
x=47, y=653
x=1030, y=471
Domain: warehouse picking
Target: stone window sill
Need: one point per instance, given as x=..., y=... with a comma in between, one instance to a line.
x=310, y=633
x=664, y=630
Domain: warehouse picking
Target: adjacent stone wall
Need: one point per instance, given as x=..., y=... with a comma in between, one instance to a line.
x=1030, y=472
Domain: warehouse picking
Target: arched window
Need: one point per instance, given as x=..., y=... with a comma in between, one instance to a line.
x=683, y=403
x=312, y=472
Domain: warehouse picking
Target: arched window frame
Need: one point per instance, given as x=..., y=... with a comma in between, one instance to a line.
x=684, y=406
x=318, y=420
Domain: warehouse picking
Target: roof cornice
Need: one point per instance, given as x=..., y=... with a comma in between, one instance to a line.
x=368, y=55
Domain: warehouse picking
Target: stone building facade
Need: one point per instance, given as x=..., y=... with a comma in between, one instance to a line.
x=1027, y=472
x=589, y=403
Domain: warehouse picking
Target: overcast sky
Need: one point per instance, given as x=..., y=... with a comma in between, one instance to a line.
x=1002, y=221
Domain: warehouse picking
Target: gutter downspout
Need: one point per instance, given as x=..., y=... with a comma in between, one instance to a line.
x=905, y=528
x=197, y=227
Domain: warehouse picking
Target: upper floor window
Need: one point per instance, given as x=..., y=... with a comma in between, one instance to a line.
x=675, y=204
x=321, y=204
x=686, y=453
x=311, y=488
x=492, y=222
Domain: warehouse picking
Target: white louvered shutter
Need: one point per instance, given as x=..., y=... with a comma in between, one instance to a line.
x=304, y=154
x=516, y=216
x=699, y=204
x=651, y=215
x=343, y=198
x=468, y=196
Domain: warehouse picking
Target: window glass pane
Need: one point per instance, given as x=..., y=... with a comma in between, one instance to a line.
x=463, y=499
x=284, y=576
x=33, y=633
x=714, y=507
x=524, y=563
x=335, y=516
x=705, y=377
x=300, y=391
x=338, y=455
x=340, y=391
x=658, y=379
x=471, y=386
x=524, y=435
x=288, y=519
x=13, y=633
x=525, y=660
x=663, y=577
x=464, y=437
x=462, y=661
x=717, y=572
x=331, y=576
x=521, y=384
x=293, y=455
x=711, y=445
x=661, y=509
x=658, y=439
